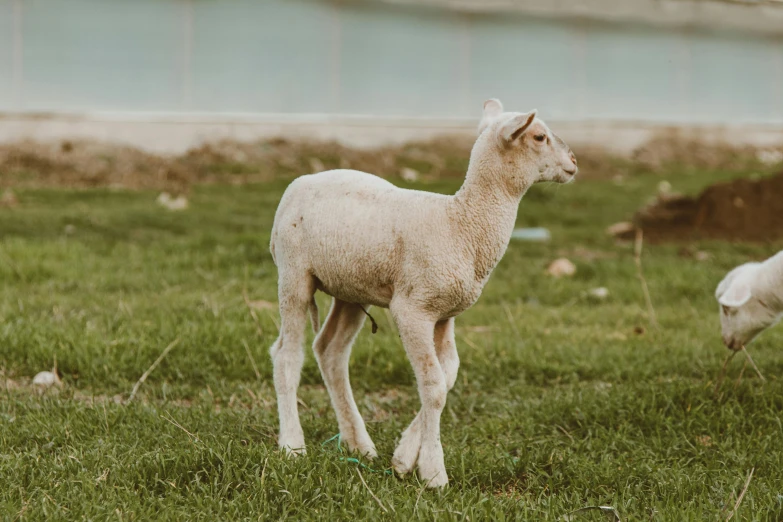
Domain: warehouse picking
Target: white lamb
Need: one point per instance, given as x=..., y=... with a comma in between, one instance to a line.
x=751, y=300
x=425, y=256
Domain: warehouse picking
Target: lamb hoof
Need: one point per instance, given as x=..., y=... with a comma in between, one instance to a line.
x=432, y=469
x=293, y=450
x=405, y=457
x=438, y=480
x=362, y=445
x=370, y=453
x=365, y=450
x=407, y=452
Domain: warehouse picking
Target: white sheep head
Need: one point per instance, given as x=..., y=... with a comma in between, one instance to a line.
x=743, y=312
x=529, y=151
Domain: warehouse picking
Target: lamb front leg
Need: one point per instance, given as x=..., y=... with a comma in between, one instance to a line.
x=407, y=451
x=418, y=338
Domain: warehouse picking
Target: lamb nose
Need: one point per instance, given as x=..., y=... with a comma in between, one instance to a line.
x=573, y=158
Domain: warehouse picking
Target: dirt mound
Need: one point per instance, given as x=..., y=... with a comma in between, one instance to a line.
x=740, y=210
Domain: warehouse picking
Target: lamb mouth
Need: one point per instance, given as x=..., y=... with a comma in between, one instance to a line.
x=568, y=177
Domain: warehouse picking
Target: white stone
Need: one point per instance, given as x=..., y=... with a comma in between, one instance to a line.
x=46, y=379
x=620, y=228
x=561, y=267
x=408, y=174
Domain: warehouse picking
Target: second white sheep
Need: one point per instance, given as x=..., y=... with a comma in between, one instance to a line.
x=751, y=300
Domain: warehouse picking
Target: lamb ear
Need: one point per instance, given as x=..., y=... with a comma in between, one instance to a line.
x=492, y=109
x=736, y=295
x=516, y=126
x=724, y=285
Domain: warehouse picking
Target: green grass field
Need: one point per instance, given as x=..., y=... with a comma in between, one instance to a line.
x=562, y=401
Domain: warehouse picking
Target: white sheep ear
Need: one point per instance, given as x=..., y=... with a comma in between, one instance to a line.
x=492, y=109
x=724, y=285
x=736, y=295
x=516, y=126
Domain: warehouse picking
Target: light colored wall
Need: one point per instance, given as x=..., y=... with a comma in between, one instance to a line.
x=283, y=61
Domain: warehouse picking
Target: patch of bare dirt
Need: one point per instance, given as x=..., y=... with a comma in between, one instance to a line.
x=739, y=210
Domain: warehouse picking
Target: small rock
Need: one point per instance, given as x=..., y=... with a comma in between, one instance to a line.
x=664, y=188
x=69, y=230
x=316, y=165
x=8, y=199
x=408, y=174
x=561, y=267
x=702, y=256
x=618, y=229
x=46, y=379
x=739, y=202
x=599, y=293
x=178, y=203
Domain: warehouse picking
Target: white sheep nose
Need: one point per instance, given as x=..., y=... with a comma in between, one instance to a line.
x=730, y=343
x=571, y=171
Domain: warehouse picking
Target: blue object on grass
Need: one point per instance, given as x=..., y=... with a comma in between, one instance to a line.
x=531, y=234
x=351, y=459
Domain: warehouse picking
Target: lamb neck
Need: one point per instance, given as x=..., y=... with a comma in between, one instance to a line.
x=484, y=214
x=772, y=281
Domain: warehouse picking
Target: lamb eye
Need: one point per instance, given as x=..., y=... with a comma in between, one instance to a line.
x=539, y=137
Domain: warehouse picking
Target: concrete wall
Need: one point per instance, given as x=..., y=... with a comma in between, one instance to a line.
x=185, y=71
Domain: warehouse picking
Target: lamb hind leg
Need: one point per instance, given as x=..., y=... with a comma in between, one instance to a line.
x=407, y=451
x=287, y=358
x=332, y=349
